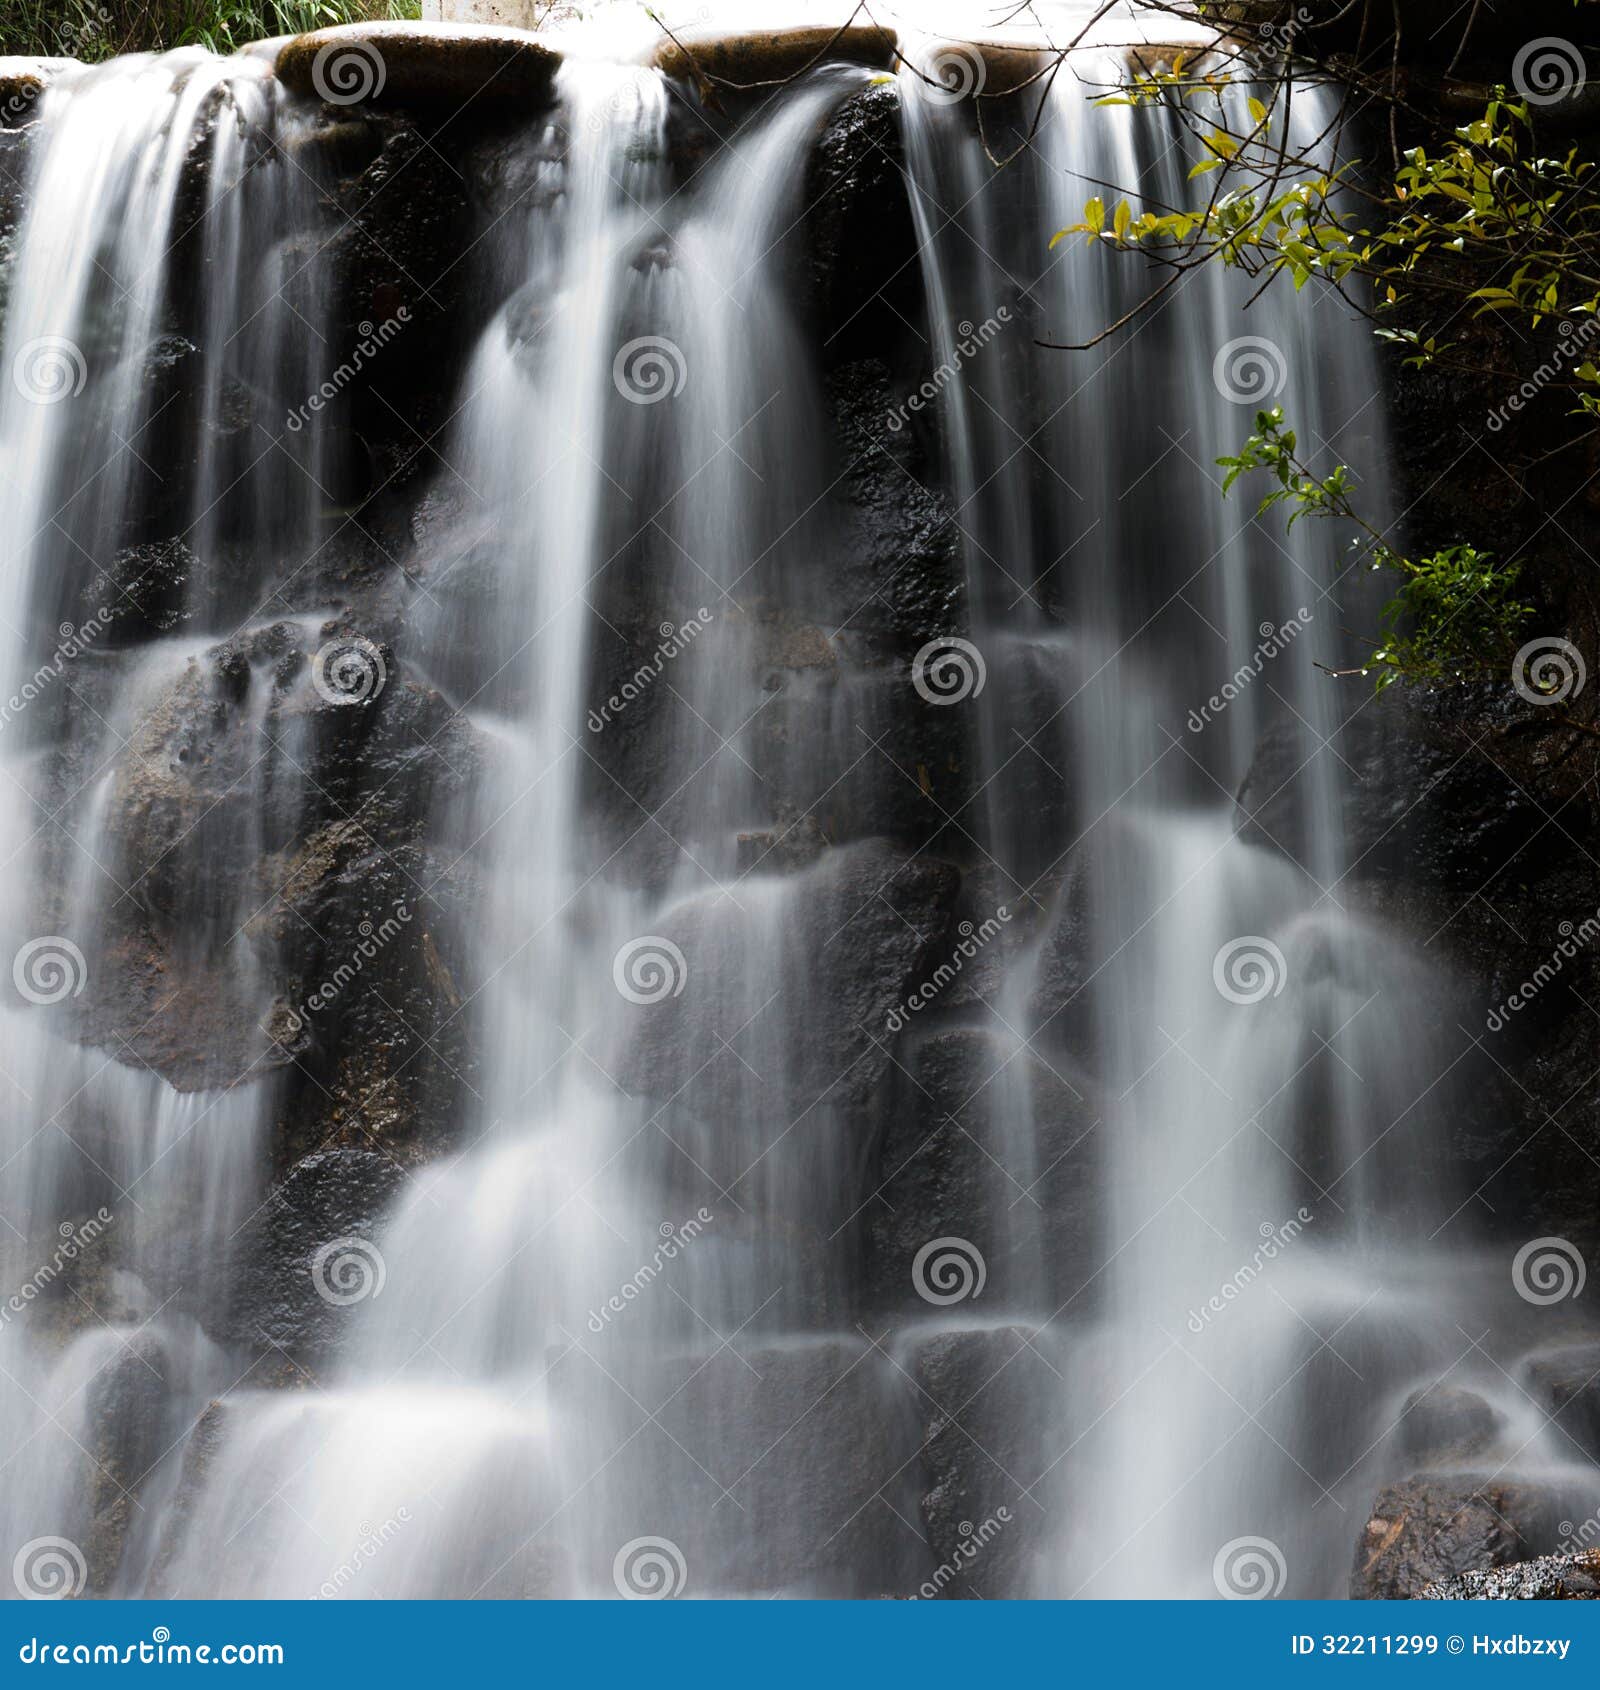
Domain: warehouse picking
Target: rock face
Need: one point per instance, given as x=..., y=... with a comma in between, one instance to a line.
x=895, y=911
x=1551, y=1578
x=403, y=65
x=942, y=1168
x=747, y=60
x=713, y=1447
x=986, y=1452
x=1446, y=1422
x=1566, y=1383
x=334, y=852
x=1427, y=1529
x=309, y=1256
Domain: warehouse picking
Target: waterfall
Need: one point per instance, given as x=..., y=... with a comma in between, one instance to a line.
x=874, y=826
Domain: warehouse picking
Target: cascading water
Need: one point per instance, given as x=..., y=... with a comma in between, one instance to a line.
x=675, y=1307
x=131, y=465
x=1273, y=1073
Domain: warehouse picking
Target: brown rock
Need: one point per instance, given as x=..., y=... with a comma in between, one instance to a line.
x=1426, y=1529
x=749, y=58
x=418, y=64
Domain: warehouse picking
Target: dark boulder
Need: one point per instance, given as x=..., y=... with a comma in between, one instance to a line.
x=894, y=566
x=1426, y=1529
x=301, y=1270
x=832, y=949
x=991, y=1402
x=860, y=282
x=1566, y=1384
x=946, y=1166
x=1446, y=1421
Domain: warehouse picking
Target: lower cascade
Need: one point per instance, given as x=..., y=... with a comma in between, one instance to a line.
x=688, y=916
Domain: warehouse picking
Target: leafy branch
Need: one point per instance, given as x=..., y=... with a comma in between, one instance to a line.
x=1453, y=614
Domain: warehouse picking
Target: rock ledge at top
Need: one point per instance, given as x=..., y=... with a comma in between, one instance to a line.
x=418, y=64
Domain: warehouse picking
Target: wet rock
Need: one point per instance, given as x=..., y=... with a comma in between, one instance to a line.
x=1566, y=1383
x=832, y=949
x=385, y=283
x=1550, y=1578
x=989, y=1436
x=22, y=81
x=410, y=64
x=150, y=589
x=736, y=61
x=1426, y=1529
x=1427, y=805
x=126, y=1413
x=899, y=768
x=860, y=280
x=304, y=1265
x=895, y=567
x=772, y=1469
x=1446, y=1420
x=945, y=1166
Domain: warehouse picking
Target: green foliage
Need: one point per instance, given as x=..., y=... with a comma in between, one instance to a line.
x=1453, y=613
x=1478, y=220
x=99, y=29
